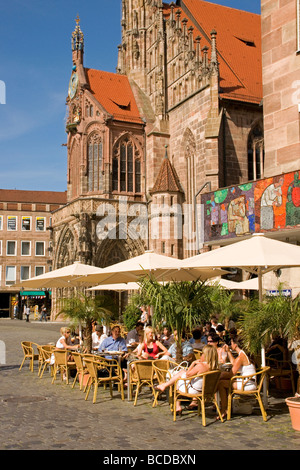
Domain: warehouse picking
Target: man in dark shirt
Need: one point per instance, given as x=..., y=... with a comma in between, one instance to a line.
x=132, y=338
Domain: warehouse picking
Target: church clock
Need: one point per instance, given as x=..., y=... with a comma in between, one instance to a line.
x=73, y=85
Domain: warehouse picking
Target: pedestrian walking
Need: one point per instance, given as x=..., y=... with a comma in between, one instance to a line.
x=16, y=311
x=27, y=313
x=43, y=313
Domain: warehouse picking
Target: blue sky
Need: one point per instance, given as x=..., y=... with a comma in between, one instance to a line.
x=35, y=66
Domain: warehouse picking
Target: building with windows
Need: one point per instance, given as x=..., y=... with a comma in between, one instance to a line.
x=181, y=115
x=25, y=242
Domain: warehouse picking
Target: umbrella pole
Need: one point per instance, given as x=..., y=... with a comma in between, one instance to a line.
x=263, y=352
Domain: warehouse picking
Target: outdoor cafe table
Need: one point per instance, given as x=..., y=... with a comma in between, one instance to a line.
x=114, y=354
x=225, y=367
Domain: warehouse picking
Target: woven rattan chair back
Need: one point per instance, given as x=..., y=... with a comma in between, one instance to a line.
x=197, y=353
x=257, y=378
x=161, y=368
x=210, y=381
x=61, y=364
x=46, y=354
x=93, y=366
x=29, y=354
x=144, y=374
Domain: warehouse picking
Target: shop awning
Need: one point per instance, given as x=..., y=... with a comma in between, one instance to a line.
x=37, y=293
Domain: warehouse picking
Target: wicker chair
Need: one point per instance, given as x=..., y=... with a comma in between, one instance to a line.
x=281, y=369
x=45, y=360
x=29, y=354
x=259, y=378
x=143, y=375
x=207, y=394
x=114, y=375
x=198, y=353
x=93, y=357
x=40, y=358
x=161, y=368
x=81, y=369
x=62, y=364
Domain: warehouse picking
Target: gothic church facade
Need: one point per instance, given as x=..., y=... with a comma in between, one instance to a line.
x=182, y=115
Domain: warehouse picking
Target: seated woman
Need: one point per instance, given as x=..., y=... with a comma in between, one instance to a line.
x=64, y=342
x=150, y=348
x=240, y=365
x=207, y=362
x=214, y=339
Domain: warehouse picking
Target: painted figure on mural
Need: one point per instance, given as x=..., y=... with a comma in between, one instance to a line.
x=237, y=219
x=293, y=202
x=272, y=196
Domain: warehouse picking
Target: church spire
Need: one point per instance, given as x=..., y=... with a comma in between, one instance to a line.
x=77, y=43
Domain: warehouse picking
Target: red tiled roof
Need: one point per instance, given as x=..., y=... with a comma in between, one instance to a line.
x=114, y=93
x=238, y=45
x=167, y=179
x=40, y=197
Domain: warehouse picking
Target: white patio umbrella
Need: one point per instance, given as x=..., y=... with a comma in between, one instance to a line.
x=161, y=267
x=225, y=283
x=73, y=275
x=258, y=255
x=117, y=287
x=250, y=284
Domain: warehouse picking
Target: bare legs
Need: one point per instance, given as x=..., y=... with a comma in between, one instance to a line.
x=162, y=387
x=178, y=375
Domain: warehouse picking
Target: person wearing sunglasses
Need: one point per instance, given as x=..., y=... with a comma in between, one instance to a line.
x=214, y=340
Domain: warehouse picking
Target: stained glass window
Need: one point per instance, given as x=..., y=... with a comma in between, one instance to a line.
x=126, y=168
x=256, y=154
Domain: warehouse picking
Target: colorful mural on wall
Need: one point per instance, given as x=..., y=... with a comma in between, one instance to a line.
x=264, y=205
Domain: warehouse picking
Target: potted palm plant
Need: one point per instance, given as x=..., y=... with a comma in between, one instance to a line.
x=181, y=305
x=85, y=309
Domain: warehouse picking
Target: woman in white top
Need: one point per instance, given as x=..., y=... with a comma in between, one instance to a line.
x=64, y=342
x=240, y=365
x=207, y=362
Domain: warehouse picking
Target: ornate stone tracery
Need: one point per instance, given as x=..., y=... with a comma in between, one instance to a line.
x=110, y=251
x=66, y=250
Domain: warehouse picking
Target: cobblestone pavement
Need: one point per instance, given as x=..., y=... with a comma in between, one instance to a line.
x=36, y=415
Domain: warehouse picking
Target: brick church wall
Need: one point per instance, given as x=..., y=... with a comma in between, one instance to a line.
x=281, y=67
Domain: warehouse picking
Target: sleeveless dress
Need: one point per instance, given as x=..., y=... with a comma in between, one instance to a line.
x=194, y=386
x=248, y=369
x=59, y=345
